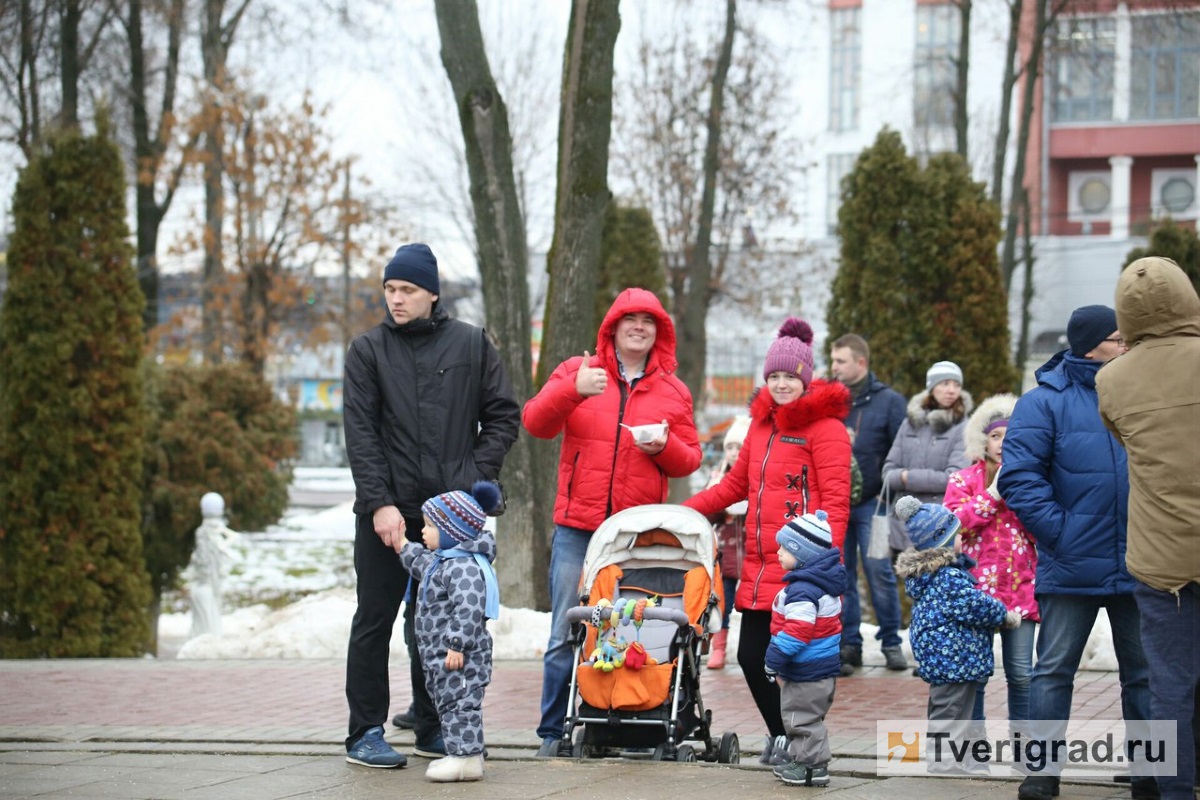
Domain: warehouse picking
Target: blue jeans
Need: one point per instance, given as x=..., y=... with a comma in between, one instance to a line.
x=1016, y=646
x=1171, y=635
x=566, y=567
x=1067, y=621
x=881, y=583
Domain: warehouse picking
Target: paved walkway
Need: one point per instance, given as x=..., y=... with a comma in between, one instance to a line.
x=262, y=729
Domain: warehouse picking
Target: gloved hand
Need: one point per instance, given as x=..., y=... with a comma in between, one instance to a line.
x=1012, y=619
x=771, y=674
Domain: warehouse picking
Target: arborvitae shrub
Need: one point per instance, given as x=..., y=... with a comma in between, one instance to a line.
x=918, y=274
x=211, y=429
x=631, y=255
x=73, y=581
x=1177, y=242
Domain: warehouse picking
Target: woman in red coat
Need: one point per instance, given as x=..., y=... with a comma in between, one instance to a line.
x=795, y=460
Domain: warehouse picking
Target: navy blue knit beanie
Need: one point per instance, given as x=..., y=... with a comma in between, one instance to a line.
x=416, y=264
x=1088, y=327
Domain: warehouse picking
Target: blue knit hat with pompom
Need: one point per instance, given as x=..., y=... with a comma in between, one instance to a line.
x=929, y=525
x=460, y=517
x=806, y=537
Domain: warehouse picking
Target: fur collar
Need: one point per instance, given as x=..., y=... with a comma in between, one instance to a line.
x=823, y=399
x=912, y=563
x=940, y=419
x=998, y=406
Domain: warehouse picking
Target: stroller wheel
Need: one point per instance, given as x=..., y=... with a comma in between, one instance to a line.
x=729, y=752
x=659, y=754
x=686, y=754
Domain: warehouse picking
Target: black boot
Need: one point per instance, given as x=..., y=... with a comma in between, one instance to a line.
x=1038, y=787
x=1144, y=789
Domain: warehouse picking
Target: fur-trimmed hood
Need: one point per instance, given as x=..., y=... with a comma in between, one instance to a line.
x=998, y=406
x=940, y=419
x=912, y=563
x=823, y=399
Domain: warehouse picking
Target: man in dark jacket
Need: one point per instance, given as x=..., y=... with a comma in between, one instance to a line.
x=875, y=415
x=1065, y=477
x=428, y=409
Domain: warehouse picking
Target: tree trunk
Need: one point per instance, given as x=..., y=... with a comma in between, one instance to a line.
x=68, y=55
x=213, y=54
x=1026, y=290
x=503, y=266
x=692, y=312
x=1006, y=91
x=149, y=147
x=1030, y=72
x=27, y=80
x=963, y=69
x=585, y=125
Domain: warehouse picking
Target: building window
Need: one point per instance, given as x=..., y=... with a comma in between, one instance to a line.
x=1165, y=62
x=845, y=69
x=934, y=67
x=1083, y=51
x=838, y=167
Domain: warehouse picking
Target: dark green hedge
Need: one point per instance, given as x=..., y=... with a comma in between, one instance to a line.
x=919, y=276
x=73, y=581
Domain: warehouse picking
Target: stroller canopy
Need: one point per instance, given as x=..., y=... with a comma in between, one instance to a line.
x=615, y=541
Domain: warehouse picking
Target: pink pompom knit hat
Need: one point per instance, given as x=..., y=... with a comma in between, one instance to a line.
x=791, y=351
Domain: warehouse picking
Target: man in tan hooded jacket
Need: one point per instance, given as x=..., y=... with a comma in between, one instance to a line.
x=1150, y=400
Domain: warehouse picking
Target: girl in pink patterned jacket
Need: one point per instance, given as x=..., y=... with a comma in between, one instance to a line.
x=993, y=537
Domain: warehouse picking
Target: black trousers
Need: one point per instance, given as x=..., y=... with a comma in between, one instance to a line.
x=381, y=585
x=753, y=640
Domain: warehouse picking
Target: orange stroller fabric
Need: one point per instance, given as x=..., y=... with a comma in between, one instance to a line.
x=642, y=689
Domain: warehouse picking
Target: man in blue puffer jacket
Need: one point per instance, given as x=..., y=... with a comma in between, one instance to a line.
x=1066, y=478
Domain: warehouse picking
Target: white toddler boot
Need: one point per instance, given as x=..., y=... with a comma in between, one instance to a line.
x=455, y=768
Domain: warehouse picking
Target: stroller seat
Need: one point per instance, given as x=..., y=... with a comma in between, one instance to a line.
x=665, y=554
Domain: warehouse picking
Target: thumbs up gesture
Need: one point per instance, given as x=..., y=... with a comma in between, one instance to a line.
x=590, y=381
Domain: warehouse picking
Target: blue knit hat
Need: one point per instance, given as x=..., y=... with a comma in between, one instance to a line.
x=929, y=525
x=1088, y=327
x=806, y=537
x=416, y=264
x=460, y=517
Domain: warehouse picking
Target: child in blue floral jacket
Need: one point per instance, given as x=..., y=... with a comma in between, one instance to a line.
x=952, y=619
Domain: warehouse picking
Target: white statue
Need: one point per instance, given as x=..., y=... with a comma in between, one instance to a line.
x=206, y=571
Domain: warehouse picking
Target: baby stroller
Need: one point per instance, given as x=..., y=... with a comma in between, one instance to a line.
x=650, y=598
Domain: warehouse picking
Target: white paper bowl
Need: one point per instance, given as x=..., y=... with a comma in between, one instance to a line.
x=644, y=434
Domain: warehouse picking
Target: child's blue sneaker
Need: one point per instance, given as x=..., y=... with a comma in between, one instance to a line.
x=373, y=751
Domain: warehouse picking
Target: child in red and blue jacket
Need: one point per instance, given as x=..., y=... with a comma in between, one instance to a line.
x=806, y=637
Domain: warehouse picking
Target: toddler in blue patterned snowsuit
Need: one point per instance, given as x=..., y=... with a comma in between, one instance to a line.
x=458, y=595
x=952, y=619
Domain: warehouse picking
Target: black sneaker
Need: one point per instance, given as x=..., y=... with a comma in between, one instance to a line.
x=1144, y=789
x=851, y=656
x=1038, y=787
x=405, y=719
x=894, y=658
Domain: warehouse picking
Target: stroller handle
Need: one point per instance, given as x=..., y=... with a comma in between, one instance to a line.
x=584, y=614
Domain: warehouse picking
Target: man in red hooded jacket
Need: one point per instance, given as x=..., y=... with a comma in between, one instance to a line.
x=603, y=468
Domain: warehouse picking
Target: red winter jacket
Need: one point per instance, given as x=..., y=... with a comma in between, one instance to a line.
x=795, y=460
x=595, y=448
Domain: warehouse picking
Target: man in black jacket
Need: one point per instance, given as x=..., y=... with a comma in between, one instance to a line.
x=875, y=415
x=428, y=409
